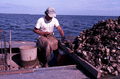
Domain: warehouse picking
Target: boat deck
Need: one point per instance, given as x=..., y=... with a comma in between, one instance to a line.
x=61, y=72
x=56, y=72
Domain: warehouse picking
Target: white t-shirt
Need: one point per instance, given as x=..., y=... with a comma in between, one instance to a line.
x=46, y=26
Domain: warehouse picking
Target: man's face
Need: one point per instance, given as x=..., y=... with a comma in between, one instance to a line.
x=48, y=18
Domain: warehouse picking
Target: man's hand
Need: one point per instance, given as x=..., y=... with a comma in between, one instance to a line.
x=41, y=32
x=63, y=39
x=46, y=34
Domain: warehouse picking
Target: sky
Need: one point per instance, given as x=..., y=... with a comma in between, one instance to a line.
x=62, y=7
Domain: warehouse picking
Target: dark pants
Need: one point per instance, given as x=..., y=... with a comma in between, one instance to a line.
x=47, y=45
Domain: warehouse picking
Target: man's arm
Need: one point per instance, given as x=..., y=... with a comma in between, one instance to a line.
x=60, y=30
x=40, y=32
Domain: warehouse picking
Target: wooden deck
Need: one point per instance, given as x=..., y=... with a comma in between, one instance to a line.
x=61, y=72
x=81, y=70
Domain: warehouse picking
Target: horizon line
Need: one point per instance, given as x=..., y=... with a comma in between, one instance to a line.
x=57, y=14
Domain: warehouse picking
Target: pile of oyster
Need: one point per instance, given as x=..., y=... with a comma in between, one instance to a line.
x=100, y=46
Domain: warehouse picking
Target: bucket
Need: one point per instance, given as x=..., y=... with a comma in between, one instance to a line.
x=28, y=52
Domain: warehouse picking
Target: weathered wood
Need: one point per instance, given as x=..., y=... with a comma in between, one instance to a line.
x=16, y=44
x=16, y=71
x=95, y=72
x=10, y=52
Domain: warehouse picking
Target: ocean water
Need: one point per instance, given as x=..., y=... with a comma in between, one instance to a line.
x=22, y=25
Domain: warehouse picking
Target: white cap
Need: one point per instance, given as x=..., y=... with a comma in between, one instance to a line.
x=51, y=12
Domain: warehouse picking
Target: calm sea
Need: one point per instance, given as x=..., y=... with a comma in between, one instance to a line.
x=22, y=25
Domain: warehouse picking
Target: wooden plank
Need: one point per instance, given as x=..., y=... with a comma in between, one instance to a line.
x=16, y=44
x=95, y=72
x=55, y=68
x=10, y=52
x=16, y=71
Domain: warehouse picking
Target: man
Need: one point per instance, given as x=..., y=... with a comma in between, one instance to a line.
x=44, y=27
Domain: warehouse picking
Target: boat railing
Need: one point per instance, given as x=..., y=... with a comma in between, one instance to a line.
x=3, y=51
